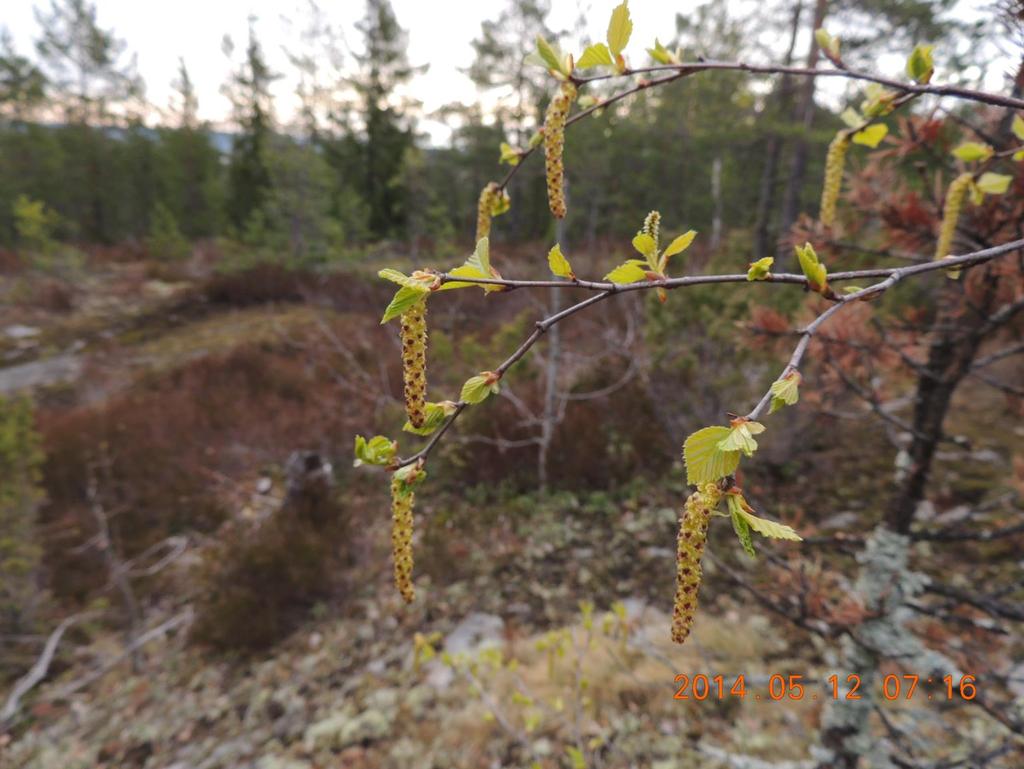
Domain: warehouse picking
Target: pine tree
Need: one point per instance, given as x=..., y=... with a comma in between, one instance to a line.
x=93, y=84
x=248, y=89
x=83, y=62
x=189, y=178
x=22, y=84
x=387, y=129
x=502, y=62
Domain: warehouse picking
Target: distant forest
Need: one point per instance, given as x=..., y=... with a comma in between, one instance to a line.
x=84, y=159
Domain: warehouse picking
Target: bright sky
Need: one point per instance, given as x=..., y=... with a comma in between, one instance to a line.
x=440, y=32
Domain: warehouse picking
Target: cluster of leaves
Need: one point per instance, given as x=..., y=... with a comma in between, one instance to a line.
x=655, y=262
x=713, y=454
x=987, y=182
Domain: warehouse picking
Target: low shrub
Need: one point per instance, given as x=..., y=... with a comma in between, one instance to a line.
x=257, y=587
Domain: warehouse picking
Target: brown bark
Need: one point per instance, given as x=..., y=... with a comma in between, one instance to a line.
x=959, y=333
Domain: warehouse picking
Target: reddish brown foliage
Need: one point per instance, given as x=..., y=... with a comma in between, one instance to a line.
x=159, y=451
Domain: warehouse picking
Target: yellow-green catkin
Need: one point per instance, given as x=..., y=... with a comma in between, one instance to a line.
x=414, y=362
x=554, y=143
x=835, y=160
x=693, y=534
x=950, y=213
x=652, y=227
x=401, y=539
x=484, y=207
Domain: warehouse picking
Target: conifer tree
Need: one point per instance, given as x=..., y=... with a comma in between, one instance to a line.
x=248, y=89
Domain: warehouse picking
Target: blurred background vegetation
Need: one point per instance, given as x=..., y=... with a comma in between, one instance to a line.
x=189, y=341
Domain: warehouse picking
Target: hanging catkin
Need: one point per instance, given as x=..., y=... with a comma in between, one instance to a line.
x=554, y=143
x=484, y=207
x=401, y=538
x=950, y=213
x=693, y=534
x=835, y=160
x=414, y=361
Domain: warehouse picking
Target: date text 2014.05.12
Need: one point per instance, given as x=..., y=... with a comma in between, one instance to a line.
x=796, y=687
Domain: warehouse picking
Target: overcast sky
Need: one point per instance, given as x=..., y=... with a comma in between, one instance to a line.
x=440, y=31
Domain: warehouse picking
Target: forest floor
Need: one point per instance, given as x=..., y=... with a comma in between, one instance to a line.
x=540, y=634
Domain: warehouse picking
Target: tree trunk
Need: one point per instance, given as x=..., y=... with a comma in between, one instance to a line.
x=716, y=198
x=805, y=116
x=958, y=331
x=773, y=148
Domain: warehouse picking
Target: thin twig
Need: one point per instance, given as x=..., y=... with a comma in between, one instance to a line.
x=892, y=276
x=39, y=670
x=872, y=291
x=677, y=71
x=690, y=68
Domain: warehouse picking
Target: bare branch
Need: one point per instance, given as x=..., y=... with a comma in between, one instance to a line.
x=891, y=275
x=872, y=291
x=38, y=671
x=689, y=68
x=178, y=620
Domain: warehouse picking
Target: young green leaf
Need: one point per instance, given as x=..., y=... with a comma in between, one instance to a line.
x=823, y=39
x=465, y=271
x=409, y=477
x=879, y=101
x=434, y=416
x=851, y=117
x=421, y=283
x=977, y=198
x=705, y=461
x=548, y=54
x=829, y=45
x=661, y=54
x=402, y=301
x=477, y=388
x=972, y=151
x=785, y=391
x=740, y=525
x=994, y=184
x=872, y=135
x=1018, y=127
x=376, y=451
x=630, y=272
x=767, y=528
x=760, y=269
x=741, y=437
x=920, y=64
x=509, y=154
x=559, y=264
x=814, y=271
x=500, y=203
x=620, y=27
x=595, y=55
x=481, y=256
x=680, y=244
x=645, y=244
x=478, y=265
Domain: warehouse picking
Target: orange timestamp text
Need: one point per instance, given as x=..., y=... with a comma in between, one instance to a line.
x=780, y=687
